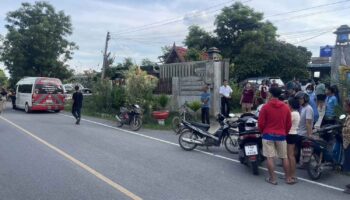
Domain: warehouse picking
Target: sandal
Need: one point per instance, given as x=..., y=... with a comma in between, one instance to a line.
x=268, y=180
x=294, y=181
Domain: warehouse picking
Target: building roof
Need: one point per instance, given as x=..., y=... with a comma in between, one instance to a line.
x=178, y=54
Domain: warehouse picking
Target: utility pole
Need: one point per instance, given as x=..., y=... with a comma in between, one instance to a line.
x=108, y=37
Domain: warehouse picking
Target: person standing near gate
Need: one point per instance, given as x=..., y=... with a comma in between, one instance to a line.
x=205, y=99
x=77, y=104
x=225, y=93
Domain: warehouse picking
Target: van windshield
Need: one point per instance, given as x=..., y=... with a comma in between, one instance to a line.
x=48, y=89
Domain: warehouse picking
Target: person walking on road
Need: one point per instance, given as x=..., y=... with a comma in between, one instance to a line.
x=3, y=98
x=292, y=136
x=205, y=99
x=275, y=123
x=225, y=92
x=77, y=104
x=247, y=98
x=346, y=142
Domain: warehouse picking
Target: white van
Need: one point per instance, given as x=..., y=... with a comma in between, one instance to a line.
x=40, y=94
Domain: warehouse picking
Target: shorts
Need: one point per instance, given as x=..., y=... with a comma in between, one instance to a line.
x=292, y=139
x=321, y=97
x=247, y=105
x=272, y=149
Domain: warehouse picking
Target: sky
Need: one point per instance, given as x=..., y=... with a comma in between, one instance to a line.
x=129, y=21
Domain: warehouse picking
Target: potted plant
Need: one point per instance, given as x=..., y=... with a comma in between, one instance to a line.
x=195, y=106
x=162, y=114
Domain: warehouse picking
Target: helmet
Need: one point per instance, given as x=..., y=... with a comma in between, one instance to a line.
x=250, y=124
x=291, y=86
x=302, y=95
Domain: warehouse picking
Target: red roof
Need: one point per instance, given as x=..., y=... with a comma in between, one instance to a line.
x=181, y=54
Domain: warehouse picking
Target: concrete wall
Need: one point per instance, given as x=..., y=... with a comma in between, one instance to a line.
x=188, y=88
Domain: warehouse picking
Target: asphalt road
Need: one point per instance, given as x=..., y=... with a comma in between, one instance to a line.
x=47, y=156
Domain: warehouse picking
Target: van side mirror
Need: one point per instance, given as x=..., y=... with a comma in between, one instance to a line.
x=342, y=117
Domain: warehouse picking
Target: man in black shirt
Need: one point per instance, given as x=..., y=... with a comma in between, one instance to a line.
x=77, y=104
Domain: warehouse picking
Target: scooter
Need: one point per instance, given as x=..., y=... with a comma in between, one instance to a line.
x=193, y=136
x=325, y=152
x=250, y=143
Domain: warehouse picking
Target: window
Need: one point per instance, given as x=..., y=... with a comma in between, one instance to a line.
x=317, y=74
x=48, y=89
x=25, y=88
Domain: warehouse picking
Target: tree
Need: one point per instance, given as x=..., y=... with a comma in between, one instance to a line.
x=3, y=78
x=193, y=54
x=238, y=25
x=250, y=42
x=36, y=43
x=147, y=62
x=199, y=39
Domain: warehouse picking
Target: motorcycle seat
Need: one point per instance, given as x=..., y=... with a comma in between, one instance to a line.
x=206, y=126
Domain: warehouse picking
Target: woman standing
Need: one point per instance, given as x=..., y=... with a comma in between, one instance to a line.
x=247, y=98
x=264, y=90
x=346, y=142
x=292, y=137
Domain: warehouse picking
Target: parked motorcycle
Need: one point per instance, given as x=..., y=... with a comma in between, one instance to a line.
x=250, y=142
x=323, y=153
x=193, y=136
x=131, y=116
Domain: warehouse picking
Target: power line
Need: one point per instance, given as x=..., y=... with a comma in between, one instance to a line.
x=284, y=13
x=310, y=38
x=309, y=8
x=310, y=14
x=172, y=20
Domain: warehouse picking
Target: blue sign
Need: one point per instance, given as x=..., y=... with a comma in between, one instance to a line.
x=326, y=51
x=344, y=37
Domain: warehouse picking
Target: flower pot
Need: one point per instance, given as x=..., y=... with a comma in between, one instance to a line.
x=161, y=116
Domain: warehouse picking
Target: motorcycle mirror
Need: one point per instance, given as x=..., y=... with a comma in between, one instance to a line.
x=342, y=117
x=231, y=115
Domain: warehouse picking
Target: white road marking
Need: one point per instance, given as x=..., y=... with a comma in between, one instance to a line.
x=204, y=152
x=77, y=162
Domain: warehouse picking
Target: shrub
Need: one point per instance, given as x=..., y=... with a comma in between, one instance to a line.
x=163, y=101
x=195, y=105
x=236, y=95
x=139, y=87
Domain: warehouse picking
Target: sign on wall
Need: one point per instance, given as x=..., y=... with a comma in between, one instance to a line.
x=326, y=51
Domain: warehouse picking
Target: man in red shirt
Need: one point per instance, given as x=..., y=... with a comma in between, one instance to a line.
x=275, y=123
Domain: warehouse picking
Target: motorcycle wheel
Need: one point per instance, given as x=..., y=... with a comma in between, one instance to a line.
x=175, y=124
x=119, y=123
x=231, y=144
x=313, y=168
x=136, y=124
x=186, y=145
x=255, y=167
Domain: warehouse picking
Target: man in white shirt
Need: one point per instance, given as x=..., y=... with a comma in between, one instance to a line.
x=225, y=93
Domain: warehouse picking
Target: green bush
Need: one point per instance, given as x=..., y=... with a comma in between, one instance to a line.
x=235, y=96
x=139, y=87
x=163, y=101
x=195, y=105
